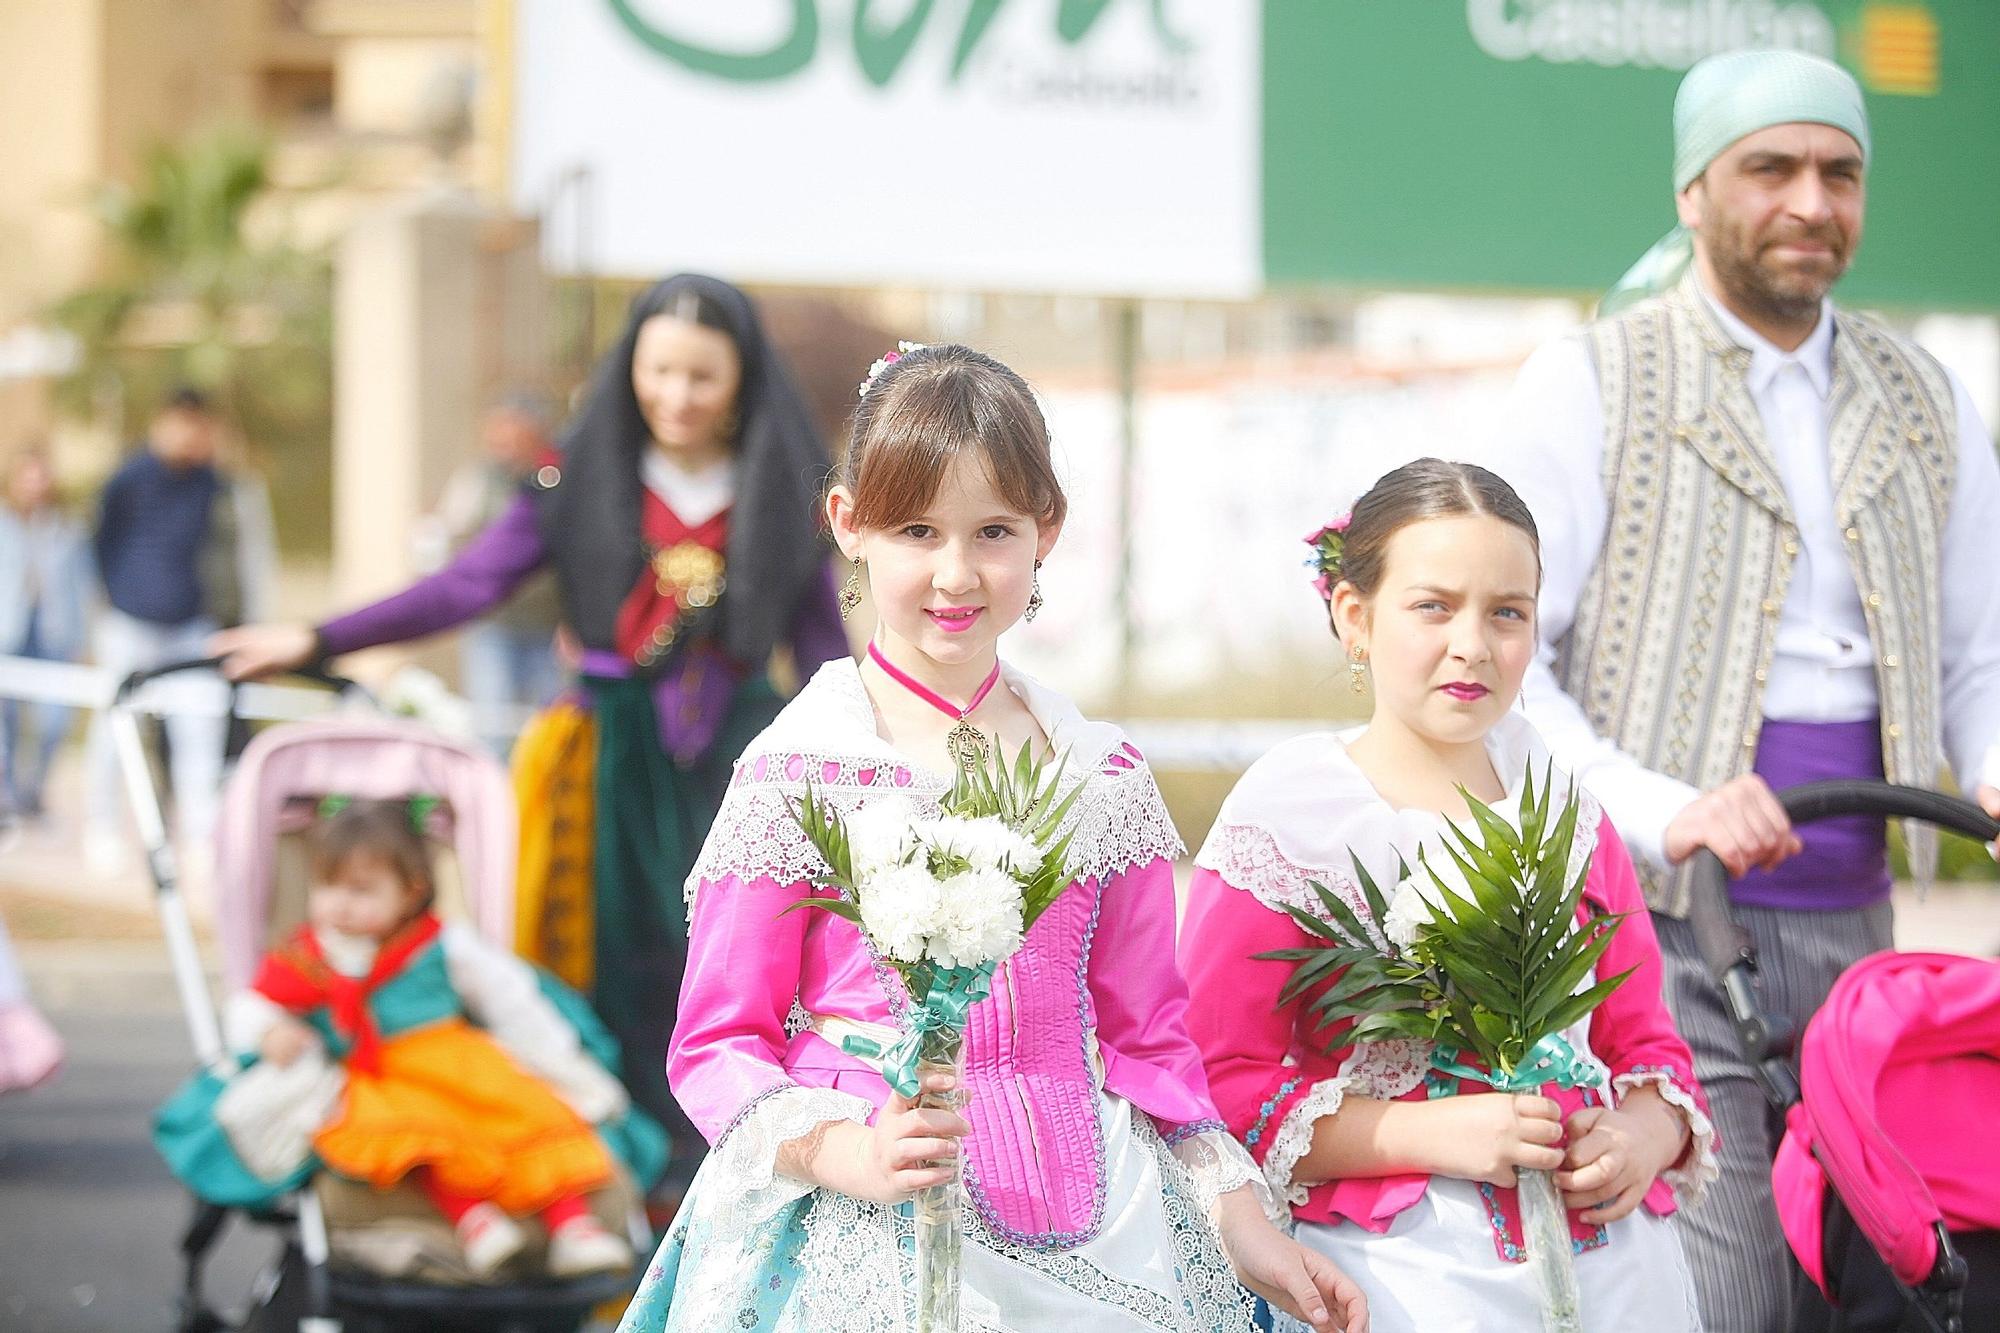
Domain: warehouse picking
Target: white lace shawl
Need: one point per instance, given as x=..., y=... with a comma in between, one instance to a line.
x=826, y=737
x=1305, y=812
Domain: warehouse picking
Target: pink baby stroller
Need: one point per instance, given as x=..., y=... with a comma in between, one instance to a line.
x=1888, y=1175
x=350, y=1258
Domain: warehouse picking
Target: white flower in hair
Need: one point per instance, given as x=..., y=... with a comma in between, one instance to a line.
x=903, y=349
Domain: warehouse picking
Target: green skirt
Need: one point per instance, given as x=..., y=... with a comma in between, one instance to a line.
x=652, y=818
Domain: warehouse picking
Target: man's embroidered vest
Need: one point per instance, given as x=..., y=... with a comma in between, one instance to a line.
x=1675, y=628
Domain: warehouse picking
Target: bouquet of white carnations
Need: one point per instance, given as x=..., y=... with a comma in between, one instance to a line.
x=1487, y=961
x=943, y=899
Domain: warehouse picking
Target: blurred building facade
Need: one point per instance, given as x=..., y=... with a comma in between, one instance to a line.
x=362, y=99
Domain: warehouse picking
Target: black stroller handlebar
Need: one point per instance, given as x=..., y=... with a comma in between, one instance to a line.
x=1727, y=948
x=1809, y=803
x=315, y=674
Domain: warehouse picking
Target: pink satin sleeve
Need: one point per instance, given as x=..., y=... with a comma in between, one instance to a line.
x=744, y=954
x=1142, y=1001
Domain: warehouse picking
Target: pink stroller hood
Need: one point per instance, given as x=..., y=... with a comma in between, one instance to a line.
x=1900, y=1083
x=366, y=758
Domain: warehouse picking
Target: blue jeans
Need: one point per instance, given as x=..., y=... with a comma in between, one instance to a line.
x=27, y=765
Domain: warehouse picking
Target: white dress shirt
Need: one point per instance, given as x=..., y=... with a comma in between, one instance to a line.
x=1550, y=447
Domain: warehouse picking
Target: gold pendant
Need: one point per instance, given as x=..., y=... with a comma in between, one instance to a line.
x=966, y=744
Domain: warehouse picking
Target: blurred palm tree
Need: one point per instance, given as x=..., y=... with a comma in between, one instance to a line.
x=194, y=290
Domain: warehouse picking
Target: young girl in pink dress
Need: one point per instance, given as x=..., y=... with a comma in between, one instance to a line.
x=1102, y=1191
x=1397, y=1170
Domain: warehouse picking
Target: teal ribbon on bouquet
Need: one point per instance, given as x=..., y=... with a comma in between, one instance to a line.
x=954, y=990
x=1550, y=1060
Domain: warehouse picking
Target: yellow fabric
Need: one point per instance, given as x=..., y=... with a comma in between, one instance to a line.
x=555, y=760
x=447, y=1097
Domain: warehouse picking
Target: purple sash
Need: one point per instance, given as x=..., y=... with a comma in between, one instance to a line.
x=690, y=699
x=1845, y=863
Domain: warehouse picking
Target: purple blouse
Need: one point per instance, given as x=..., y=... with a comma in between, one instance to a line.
x=690, y=698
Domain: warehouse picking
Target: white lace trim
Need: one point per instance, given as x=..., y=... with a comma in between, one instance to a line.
x=1699, y=1166
x=1250, y=857
x=826, y=737
x=1294, y=1138
x=855, y=1277
x=1219, y=1165
x=745, y=1163
x=1119, y=822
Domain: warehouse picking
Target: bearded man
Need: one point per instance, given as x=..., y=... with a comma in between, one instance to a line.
x=1769, y=530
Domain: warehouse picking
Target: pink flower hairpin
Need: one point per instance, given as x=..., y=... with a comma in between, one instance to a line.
x=1328, y=543
x=903, y=349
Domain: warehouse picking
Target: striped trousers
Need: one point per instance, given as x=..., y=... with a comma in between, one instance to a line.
x=1743, y=1271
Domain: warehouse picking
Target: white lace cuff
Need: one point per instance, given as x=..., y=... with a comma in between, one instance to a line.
x=748, y=1187
x=1220, y=1165
x=1294, y=1138
x=1697, y=1167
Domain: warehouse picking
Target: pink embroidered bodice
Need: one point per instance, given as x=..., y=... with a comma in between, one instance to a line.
x=1092, y=1003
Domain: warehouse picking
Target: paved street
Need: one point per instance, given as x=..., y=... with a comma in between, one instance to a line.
x=89, y=1218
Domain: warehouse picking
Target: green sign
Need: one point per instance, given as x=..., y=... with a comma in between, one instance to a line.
x=1526, y=145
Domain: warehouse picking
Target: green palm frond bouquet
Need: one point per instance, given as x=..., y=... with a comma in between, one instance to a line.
x=1485, y=957
x=1487, y=966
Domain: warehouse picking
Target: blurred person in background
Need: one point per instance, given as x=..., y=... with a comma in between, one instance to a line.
x=1768, y=529
x=679, y=518
x=30, y=1050
x=45, y=590
x=168, y=548
x=506, y=659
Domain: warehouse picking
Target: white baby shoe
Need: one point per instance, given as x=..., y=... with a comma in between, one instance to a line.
x=582, y=1245
x=489, y=1238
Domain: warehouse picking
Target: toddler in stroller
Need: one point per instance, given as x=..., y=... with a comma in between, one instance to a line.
x=368, y=1060
x=450, y=1091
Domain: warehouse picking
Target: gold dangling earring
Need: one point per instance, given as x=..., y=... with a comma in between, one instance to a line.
x=1357, y=674
x=850, y=591
x=1035, y=597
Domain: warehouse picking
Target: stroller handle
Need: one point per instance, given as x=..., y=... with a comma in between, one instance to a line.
x=1813, y=801
x=1727, y=948
x=314, y=673
x=1722, y=941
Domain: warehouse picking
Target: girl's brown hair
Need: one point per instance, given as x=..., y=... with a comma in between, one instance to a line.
x=937, y=404
x=378, y=831
x=1426, y=488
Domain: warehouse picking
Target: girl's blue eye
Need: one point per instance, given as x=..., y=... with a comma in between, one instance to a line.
x=1512, y=611
x=917, y=531
x=995, y=531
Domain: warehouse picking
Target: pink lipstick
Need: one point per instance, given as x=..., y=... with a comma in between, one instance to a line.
x=954, y=619
x=1466, y=691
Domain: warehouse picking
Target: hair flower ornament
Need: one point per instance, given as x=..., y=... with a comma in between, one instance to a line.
x=903, y=349
x=1328, y=544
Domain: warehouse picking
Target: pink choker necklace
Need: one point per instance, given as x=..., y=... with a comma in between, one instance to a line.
x=964, y=742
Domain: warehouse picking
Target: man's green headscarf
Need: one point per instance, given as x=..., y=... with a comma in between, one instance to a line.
x=1722, y=99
